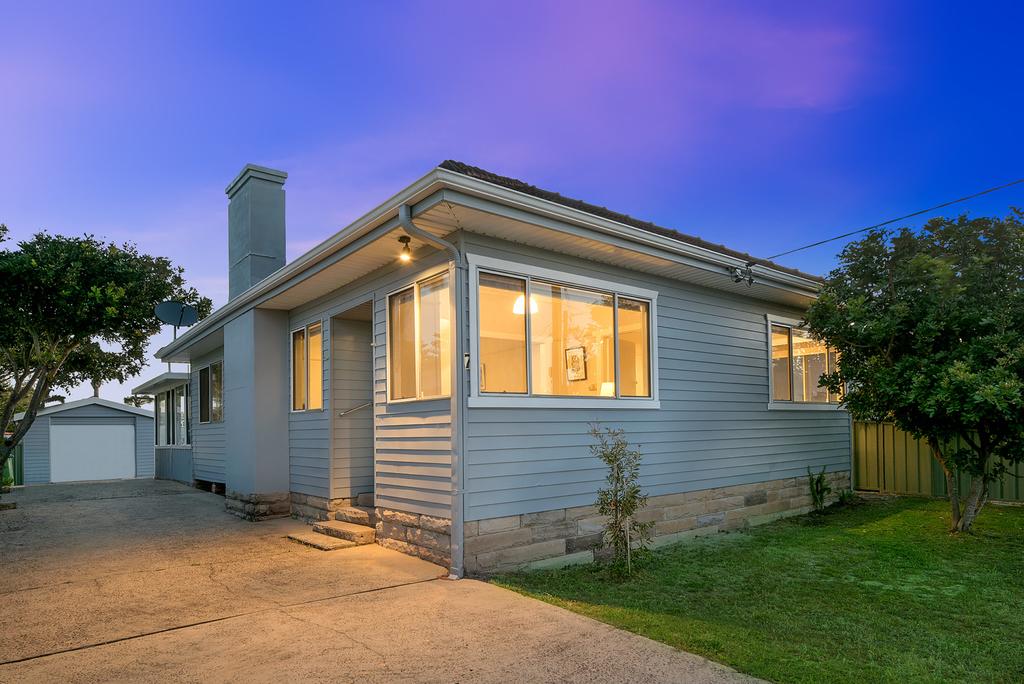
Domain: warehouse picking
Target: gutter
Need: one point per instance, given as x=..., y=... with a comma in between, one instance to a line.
x=459, y=367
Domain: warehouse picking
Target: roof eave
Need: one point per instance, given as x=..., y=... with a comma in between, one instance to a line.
x=439, y=178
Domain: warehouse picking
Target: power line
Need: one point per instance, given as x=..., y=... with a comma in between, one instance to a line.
x=900, y=218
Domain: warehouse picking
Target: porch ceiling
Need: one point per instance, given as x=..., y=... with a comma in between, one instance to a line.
x=376, y=254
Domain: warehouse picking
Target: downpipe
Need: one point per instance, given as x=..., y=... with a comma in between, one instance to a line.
x=459, y=367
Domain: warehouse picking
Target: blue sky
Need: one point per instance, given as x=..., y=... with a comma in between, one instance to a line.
x=763, y=126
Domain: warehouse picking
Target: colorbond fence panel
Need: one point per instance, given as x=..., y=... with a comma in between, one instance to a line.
x=890, y=461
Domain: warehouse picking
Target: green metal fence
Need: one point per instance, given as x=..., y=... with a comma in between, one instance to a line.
x=15, y=467
x=890, y=461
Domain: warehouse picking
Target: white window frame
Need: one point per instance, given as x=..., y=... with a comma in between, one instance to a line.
x=209, y=391
x=478, y=263
x=291, y=367
x=789, y=405
x=453, y=329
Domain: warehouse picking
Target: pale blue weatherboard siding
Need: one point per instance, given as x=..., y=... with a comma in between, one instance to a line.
x=207, y=438
x=36, y=450
x=309, y=431
x=714, y=427
x=145, y=451
x=412, y=463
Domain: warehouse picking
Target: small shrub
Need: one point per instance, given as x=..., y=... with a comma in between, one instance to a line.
x=820, y=488
x=620, y=501
x=847, y=497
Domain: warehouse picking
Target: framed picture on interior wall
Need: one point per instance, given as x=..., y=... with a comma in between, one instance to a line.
x=575, y=364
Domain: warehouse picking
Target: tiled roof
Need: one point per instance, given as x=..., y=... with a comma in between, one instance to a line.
x=527, y=189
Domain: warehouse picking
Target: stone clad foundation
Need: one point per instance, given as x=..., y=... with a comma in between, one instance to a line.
x=574, y=535
x=417, y=535
x=257, y=506
x=316, y=508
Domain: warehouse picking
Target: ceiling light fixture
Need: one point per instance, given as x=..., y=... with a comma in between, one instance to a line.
x=406, y=254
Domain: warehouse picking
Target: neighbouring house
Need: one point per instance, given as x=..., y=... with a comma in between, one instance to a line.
x=88, y=439
x=428, y=374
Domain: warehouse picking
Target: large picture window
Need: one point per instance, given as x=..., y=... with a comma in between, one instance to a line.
x=568, y=341
x=308, y=368
x=419, y=340
x=211, y=393
x=797, y=364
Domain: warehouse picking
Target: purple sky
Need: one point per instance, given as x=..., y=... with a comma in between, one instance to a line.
x=760, y=125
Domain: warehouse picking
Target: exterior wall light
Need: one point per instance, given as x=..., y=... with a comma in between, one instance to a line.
x=406, y=254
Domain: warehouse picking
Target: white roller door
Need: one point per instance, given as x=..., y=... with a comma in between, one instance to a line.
x=91, y=452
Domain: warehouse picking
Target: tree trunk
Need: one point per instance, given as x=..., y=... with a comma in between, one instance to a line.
x=951, y=488
x=975, y=500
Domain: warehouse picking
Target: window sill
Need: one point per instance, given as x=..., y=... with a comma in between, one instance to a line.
x=497, y=401
x=173, y=446
x=413, y=400
x=782, y=406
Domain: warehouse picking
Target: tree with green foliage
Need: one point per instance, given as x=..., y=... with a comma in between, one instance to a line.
x=622, y=499
x=929, y=326
x=75, y=309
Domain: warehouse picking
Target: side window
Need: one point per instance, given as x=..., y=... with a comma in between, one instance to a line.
x=419, y=341
x=308, y=368
x=204, y=395
x=211, y=393
x=798, y=362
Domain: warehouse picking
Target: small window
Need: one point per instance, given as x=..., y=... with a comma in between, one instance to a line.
x=798, y=362
x=162, y=420
x=204, y=395
x=211, y=393
x=307, y=368
x=179, y=401
x=419, y=341
x=503, y=337
x=299, y=370
x=634, y=344
x=217, y=392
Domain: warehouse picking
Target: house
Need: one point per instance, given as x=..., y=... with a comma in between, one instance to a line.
x=172, y=412
x=440, y=360
x=88, y=439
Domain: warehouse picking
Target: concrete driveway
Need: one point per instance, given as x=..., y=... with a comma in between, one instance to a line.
x=153, y=581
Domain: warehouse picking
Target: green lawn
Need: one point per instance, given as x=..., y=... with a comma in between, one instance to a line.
x=876, y=592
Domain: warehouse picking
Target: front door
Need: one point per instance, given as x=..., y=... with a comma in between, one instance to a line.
x=352, y=403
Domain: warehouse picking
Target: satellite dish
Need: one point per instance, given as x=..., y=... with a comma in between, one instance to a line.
x=177, y=314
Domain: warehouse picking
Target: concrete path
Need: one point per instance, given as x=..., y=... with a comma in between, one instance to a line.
x=150, y=580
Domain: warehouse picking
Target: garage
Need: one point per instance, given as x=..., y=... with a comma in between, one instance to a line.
x=89, y=439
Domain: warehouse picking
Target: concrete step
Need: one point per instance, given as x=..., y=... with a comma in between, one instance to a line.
x=365, y=499
x=320, y=541
x=360, y=534
x=357, y=515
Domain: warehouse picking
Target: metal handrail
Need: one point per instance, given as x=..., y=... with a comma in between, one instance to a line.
x=351, y=410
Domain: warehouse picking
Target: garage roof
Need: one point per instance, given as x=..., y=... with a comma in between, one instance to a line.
x=91, y=401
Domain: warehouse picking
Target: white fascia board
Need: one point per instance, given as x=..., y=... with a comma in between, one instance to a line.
x=536, y=205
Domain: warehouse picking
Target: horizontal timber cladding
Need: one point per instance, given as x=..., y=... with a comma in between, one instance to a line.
x=411, y=469
x=575, y=535
x=713, y=428
x=208, y=443
x=36, y=451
